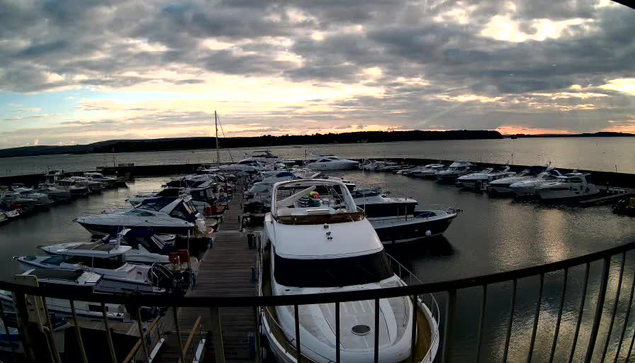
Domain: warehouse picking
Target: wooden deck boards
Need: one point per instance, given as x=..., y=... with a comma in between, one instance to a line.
x=225, y=270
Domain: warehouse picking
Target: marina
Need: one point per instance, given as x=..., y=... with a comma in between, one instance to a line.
x=230, y=268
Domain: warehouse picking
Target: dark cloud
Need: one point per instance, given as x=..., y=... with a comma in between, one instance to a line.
x=52, y=45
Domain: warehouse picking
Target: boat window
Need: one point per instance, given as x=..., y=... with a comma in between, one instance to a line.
x=138, y=213
x=109, y=263
x=184, y=211
x=332, y=272
x=155, y=204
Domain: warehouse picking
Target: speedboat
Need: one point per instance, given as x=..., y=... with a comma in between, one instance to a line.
x=502, y=185
x=77, y=281
x=419, y=225
x=480, y=180
x=454, y=171
x=316, y=241
x=332, y=163
x=57, y=195
x=92, y=185
x=569, y=187
x=106, y=181
x=162, y=215
x=379, y=165
x=41, y=199
x=76, y=189
x=428, y=171
x=109, y=261
x=203, y=197
x=139, y=255
x=527, y=188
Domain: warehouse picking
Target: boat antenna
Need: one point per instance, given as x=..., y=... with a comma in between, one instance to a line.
x=217, y=150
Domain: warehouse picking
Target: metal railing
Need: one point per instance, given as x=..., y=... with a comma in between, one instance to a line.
x=612, y=333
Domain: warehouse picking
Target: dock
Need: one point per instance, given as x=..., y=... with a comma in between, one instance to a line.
x=225, y=270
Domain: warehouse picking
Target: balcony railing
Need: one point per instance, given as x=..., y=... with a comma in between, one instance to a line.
x=604, y=329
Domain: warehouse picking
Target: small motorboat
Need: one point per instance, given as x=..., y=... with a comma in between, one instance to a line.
x=428, y=171
x=528, y=187
x=332, y=163
x=106, y=181
x=567, y=188
x=625, y=206
x=416, y=226
x=502, y=185
x=162, y=215
x=375, y=203
x=139, y=255
x=454, y=171
x=75, y=281
x=379, y=165
x=479, y=180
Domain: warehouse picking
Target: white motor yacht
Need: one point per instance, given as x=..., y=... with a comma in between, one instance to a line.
x=569, y=187
x=454, y=171
x=324, y=163
x=480, y=179
x=428, y=171
x=139, y=255
x=41, y=199
x=73, y=281
x=108, y=182
x=528, y=187
x=162, y=215
x=109, y=261
x=316, y=241
x=502, y=185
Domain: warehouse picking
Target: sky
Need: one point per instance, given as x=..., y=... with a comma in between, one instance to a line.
x=79, y=71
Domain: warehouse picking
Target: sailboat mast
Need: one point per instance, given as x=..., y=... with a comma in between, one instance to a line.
x=217, y=150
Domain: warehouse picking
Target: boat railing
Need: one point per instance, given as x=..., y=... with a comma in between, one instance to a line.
x=589, y=298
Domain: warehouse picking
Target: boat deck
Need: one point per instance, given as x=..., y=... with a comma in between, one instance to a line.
x=225, y=270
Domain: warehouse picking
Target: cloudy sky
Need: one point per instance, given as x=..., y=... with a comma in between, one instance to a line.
x=79, y=71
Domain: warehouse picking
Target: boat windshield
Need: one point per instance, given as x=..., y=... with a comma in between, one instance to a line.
x=332, y=272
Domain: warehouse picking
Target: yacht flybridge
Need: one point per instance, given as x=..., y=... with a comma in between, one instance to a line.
x=316, y=240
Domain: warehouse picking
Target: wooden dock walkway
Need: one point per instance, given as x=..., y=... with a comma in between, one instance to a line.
x=225, y=270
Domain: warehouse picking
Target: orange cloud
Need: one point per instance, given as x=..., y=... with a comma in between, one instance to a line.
x=516, y=129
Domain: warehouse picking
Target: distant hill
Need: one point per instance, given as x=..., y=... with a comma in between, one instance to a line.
x=189, y=143
x=595, y=134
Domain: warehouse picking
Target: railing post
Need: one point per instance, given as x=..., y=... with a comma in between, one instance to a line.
x=617, y=300
x=481, y=320
x=141, y=335
x=598, y=309
x=559, y=320
x=413, y=334
x=628, y=313
x=510, y=322
x=376, y=340
x=450, y=316
x=217, y=332
x=581, y=310
x=536, y=318
x=111, y=344
x=175, y=312
x=337, y=332
x=298, y=349
x=78, y=331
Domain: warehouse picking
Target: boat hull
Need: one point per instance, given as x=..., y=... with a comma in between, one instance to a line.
x=105, y=230
x=400, y=230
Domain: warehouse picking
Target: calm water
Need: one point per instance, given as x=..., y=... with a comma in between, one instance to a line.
x=490, y=235
x=596, y=153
